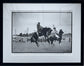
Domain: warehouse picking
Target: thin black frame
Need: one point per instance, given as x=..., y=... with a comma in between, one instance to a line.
x=39, y=12
x=42, y=1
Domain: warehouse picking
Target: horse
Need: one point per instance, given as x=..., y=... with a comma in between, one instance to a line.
x=51, y=39
x=34, y=38
x=54, y=37
x=44, y=32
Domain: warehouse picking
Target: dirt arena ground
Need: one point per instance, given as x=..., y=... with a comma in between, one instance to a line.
x=44, y=47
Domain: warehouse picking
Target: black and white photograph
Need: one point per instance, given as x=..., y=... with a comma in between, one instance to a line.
x=42, y=32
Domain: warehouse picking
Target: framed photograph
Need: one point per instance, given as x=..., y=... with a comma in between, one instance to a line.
x=41, y=33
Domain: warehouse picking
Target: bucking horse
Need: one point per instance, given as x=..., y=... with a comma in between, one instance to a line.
x=46, y=32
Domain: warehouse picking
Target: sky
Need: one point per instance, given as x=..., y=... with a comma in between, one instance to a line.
x=27, y=22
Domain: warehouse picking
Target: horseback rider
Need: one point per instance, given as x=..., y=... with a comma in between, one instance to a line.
x=55, y=32
x=39, y=28
x=53, y=36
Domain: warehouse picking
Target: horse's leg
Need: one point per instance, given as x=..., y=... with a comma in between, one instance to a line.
x=59, y=40
x=37, y=43
x=48, y=41
x=55, y=39
x=52, y=42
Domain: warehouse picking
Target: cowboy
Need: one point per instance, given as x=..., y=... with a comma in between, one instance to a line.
x=55, y=32
x=39, y=28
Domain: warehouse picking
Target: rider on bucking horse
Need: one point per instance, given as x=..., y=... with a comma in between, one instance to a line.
x=39, y=28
